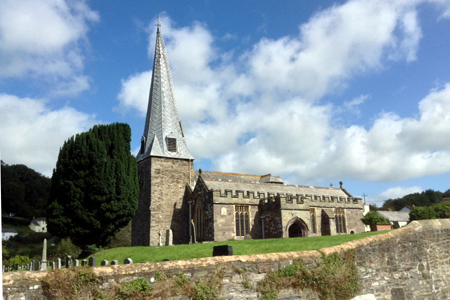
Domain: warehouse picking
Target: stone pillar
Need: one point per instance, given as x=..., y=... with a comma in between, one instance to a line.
x=33, y=264
x=92, y=261
x=44, y=257
x=58, y=263
x=332, y=226
x=76, y=263
x=169, y=237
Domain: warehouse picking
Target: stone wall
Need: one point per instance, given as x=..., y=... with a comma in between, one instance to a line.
x=408, y=263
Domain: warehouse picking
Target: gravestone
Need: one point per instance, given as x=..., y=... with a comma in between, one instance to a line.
x=68, y=261
x=224, y=250
x=33, y=265
x=128, y=261
x=104, y=263
x=92, y=261
x=169, y=237
x=76, y=263
x=84, y=263
x=58, y=263
x=115, y=263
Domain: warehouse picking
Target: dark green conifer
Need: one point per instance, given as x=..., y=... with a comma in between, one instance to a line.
x=95, y=187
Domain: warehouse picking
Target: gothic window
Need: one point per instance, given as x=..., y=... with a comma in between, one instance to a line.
x=312, y=215
x=242, y=220
x=172, y=144
x=340, y=221
x=199, y=219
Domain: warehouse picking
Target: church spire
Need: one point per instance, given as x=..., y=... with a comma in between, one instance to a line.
x=163, y=132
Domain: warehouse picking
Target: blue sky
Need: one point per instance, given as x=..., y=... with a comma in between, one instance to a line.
x=314, y=91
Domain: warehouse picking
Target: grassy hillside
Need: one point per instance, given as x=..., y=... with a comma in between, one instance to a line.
x=180, y=252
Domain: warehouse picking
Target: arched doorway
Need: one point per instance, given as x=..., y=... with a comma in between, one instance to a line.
x=296, y=228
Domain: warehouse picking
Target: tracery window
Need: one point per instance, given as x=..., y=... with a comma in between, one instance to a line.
x=312, y=215
x=242, y=220
x=340, y=221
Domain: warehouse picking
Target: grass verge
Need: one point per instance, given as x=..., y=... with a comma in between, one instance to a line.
x=243, y=247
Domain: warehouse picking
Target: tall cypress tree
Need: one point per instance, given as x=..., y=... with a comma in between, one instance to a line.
x=95, y=186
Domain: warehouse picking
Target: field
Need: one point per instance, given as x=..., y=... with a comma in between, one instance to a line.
x=244, y=247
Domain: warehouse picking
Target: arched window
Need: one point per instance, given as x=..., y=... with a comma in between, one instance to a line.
x=340, y=221
x=312, y=215
x=242, y=220
x=199, y=219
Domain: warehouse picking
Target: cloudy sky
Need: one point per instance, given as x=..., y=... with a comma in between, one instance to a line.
x=314, y=91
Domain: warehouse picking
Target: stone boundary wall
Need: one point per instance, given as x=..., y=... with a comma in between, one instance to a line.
x=412, y=262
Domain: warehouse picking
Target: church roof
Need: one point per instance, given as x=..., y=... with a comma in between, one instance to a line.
x=163, y=132
x=257, y=183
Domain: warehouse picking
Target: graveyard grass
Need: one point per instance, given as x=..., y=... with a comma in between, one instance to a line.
x=242, y=247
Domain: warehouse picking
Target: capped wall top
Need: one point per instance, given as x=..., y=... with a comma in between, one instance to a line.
x=163, y=132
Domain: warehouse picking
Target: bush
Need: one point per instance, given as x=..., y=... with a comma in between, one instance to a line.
x=66, y=247
x=373, y=218
x=19, y=260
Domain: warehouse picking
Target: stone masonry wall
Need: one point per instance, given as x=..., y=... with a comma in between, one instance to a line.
x=412, y=262
x=161, y=207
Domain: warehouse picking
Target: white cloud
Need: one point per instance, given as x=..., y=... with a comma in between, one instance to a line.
x=43, y=39
x=352, y=106
x=134, y=93
x=30, y=126
x=260, y=113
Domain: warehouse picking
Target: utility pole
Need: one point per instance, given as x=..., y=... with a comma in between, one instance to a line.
x=364, y=195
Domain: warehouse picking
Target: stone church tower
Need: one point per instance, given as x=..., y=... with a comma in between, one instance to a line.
x=165, y=164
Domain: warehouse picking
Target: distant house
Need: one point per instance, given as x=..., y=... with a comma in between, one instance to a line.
x=39, y=225
x=445, y=199
x=8, y=233
x=405, y=209
x=396, y=218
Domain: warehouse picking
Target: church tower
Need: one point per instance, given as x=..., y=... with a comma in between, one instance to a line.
x=165, y=164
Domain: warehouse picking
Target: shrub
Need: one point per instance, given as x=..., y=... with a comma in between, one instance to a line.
x=66, y=247
x=373, y=218
x=19, y=260
x=422, y=213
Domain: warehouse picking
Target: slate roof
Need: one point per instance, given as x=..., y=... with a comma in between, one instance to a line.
x=35, y=223
x=393, y=216
x=163, y=120
x=4, y=229
x=232, y=181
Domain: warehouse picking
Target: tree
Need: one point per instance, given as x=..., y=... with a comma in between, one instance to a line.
x=94, y=189
x=373, y=218
x=24, y=191
x=422, y=213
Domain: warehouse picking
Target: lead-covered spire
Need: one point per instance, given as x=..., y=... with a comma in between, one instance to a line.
x=163, y=132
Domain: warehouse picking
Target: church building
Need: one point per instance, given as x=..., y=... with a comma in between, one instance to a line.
x=216, y=206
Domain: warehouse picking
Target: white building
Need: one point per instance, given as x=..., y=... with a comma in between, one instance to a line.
x=7, y=233
x=39, y=225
